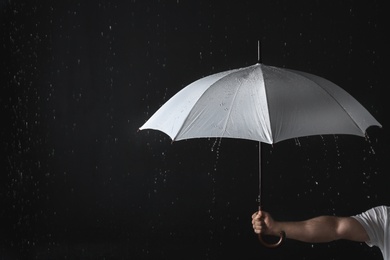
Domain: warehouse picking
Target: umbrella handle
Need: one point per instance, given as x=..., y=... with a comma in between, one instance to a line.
x=282, y=236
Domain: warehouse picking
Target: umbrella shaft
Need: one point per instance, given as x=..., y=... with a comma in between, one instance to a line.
x=259, y=196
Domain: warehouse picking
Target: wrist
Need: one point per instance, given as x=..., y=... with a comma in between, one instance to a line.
x=276, y=228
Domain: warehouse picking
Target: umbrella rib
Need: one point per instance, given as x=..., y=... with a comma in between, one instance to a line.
x=230, y=110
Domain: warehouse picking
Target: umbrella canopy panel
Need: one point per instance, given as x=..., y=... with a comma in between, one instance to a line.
x=262, y=103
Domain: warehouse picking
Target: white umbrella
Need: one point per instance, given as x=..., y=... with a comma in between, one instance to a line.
x=261, y=103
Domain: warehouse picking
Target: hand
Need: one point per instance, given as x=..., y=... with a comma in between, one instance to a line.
x=262, y=223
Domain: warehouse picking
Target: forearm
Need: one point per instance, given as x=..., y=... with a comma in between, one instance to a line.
x=316, y=230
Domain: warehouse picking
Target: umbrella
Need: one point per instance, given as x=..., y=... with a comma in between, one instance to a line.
x=261, y=103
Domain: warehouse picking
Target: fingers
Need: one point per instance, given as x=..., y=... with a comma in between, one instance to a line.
x=255, y=215
x=258, y=227
x=258, y=222
x=259, y=215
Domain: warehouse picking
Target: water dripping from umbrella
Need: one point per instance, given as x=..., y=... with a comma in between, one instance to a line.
x=214, y=148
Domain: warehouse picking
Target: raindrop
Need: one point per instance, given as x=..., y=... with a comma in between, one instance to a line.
x=370, y=144
x=216, y=143
x=165, y=94
x=323, y=140
x=213, y=146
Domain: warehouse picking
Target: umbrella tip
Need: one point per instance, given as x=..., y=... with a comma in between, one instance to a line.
x=258, y=52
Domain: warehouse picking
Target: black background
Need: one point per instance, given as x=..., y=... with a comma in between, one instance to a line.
x=78, y=79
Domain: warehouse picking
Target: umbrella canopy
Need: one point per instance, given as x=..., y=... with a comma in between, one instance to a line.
x=262, y=103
